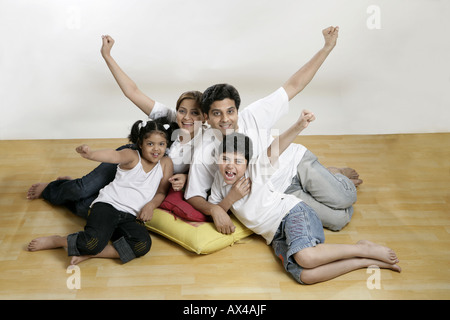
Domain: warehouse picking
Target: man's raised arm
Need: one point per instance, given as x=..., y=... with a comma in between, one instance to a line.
x=299, y=80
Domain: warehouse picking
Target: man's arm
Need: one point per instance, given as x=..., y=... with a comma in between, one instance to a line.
x=128, y=87
x=299, y=80
x=220, y=217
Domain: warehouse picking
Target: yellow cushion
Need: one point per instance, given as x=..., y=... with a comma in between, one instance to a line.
x=198, y=237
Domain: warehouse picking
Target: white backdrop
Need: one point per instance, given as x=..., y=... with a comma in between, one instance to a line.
x=389, y=73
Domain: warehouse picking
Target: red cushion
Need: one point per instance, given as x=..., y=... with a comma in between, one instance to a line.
x=175, y=203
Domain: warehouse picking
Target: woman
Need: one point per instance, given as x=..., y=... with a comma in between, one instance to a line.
x=78, y=194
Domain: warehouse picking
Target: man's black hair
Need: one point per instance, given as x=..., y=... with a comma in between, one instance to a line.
x=219, y=92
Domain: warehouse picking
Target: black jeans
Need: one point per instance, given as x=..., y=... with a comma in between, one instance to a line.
x=130, y=237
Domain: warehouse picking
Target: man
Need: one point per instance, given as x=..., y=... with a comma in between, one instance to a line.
x=331, y=194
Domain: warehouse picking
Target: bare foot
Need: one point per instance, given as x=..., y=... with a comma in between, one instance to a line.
x=383, y=265
x=36, y=190
x=378, y=252
x=350, y=173
x=78, y=259
x=43, y=243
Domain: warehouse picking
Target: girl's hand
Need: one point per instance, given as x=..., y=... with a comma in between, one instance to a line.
x=305, y=118
x=178, y=181
x=108, y=43
x=146, y=213
x=84, y=151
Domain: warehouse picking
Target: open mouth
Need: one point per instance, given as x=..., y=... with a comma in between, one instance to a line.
x=230, y=175
x=155, y=155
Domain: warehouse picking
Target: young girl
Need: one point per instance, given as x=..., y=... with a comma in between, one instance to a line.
x=140, y=185
x=286, y=222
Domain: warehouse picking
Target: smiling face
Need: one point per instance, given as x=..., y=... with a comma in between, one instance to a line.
x=232, y=166
x=223, y=115
x=187, y=114
x=154, y=147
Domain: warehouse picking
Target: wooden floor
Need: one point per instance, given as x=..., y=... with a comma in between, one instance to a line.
x=404, y=203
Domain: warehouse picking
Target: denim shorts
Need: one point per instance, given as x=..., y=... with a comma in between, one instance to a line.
x=299, y=229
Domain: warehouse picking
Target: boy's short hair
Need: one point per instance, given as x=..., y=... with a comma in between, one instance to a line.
x=237, y=143
x=219, y=92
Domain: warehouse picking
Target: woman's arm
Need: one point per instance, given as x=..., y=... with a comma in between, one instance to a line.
x=129, y=88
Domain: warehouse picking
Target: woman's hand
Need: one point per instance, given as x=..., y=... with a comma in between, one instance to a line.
x=107, y=45
x=178, y=181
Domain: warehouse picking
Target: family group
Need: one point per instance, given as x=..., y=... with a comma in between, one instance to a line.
x=222, y=159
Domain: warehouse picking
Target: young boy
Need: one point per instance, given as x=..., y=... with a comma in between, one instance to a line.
x=243, y=185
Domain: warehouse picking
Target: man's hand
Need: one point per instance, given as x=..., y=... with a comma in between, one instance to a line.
x=330, y=35
x=222, y=220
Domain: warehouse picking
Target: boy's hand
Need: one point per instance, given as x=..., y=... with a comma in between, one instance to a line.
x=330, y=35
x=84, y=151
x=108, y=43
x=305, y=118
x=240, y=189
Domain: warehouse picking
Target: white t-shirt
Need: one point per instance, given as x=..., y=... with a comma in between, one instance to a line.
x=256, y=121
x=264, y=207
x=131, y=189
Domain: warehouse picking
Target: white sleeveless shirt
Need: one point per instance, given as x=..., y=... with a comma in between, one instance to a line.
x=131, y=189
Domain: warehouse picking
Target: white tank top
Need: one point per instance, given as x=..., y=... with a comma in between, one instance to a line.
x=131, y=189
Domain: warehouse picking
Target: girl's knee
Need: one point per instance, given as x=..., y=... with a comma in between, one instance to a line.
x=142, y=247
x=92, y=246
x=140, y=243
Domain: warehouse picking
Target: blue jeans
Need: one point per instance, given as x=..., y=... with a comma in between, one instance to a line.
x=299, y=229
x=330, y=195
x=78, y=194
x=129, y=237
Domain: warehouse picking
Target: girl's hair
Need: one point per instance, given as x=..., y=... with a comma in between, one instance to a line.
x=237, y=143
x=191, y=95
x=142, y=129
